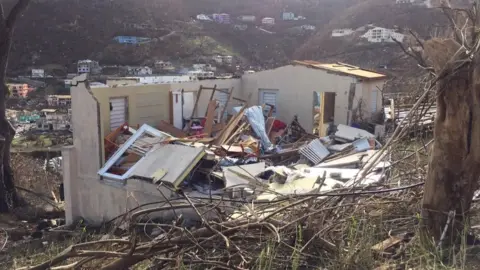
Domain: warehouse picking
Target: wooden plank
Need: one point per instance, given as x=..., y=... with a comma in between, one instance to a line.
x=232, y=148
x=170, y=129
x=269, y=125
x=210, y=116
x=218, y=127
x=230, y=128
x=211, y=97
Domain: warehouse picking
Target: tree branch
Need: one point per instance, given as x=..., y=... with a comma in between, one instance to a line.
x=2, y=14
x=16, y=11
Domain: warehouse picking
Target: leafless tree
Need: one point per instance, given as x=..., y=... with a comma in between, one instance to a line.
x=8, y=196
x=454, y=165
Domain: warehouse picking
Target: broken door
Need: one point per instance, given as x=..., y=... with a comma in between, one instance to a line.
x=323, y=111
x=182, y=103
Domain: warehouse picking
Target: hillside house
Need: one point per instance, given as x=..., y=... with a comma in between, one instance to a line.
x=203, y=17
x=268, y=21
x=59, y=100
x=247, y=18
x=342, y=32
x=38, y=73
x=347, y=90
x=131, y=39
x=288, y=16
x=53, y=119
x=424, y=3
x=240, y=27
x=164, y=65
x=379, y=34
x=222, y=18
x=222, y=59
x=201, y=74
x=308, y=27
x=139, y=71
x=206, y=67
x=19, y=90
x=88, y=66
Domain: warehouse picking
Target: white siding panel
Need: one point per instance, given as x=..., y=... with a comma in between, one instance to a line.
x=118, y=112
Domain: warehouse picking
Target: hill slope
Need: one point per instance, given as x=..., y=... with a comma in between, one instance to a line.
x=63, y=31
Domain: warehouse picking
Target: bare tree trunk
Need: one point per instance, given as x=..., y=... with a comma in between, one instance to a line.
x=8, y=195
x=454, y=166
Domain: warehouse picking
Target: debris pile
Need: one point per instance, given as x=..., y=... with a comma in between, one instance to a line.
x=254, y=194
x=252, y=156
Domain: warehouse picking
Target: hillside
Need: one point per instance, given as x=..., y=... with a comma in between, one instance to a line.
x=63, y=31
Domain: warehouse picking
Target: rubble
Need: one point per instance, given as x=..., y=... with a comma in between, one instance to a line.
x=241, y=158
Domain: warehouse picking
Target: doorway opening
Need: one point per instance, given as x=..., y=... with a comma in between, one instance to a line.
x=323, y=112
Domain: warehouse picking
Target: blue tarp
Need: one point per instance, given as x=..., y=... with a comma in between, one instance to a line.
x=256, y=119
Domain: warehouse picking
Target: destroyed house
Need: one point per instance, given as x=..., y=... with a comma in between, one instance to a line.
x=121, y=133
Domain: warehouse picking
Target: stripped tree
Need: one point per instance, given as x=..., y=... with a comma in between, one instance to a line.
x=8, y=195
x=454, y=165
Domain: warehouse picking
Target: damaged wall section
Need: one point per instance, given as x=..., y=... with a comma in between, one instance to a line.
x=296, y=83
x=87, y=196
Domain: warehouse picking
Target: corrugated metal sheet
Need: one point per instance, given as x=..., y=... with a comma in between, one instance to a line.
x=315, y=151
x=343, y=68
x=118, y=112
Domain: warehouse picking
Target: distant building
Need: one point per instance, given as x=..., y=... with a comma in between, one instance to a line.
x=379, y=34
x=247, y=18
x=218, y=59
x=131, y=39
x=240, y=27
x=88, y=66
x=164, y=65
x=204, y=67
x=201, y=74
x=342, y=32
x=227, y=59
x=203, y=17
x=139, y=71
x=425, y=3
x=288, y=16
x=308, y=27
x=222, y=18
x=59, y=100
x=268, y=21
x=52, y=119
x=19, y=89
x=38, y=73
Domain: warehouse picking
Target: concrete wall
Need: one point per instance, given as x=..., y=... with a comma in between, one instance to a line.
x=205, y=96
x=87, y=196
x=146, y=104
x=295, y=85
x=94, y=199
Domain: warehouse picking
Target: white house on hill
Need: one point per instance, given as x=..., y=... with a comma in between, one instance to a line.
x=379, y=34
x=268, y=20
x=342, y=32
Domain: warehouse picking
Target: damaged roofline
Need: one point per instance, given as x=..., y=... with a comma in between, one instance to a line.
x=373, y=76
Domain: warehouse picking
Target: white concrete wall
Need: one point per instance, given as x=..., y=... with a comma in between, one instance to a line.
x=205, y=96
x=295, y=96
x=87, y=196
